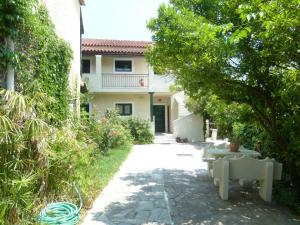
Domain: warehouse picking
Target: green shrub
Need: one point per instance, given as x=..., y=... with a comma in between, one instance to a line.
x=140, y=130
x=23, y=150
x=237, y=132
x=236, y=120
x=109, y=132
x=118, y=133
x=66, y=154
x=97, y=133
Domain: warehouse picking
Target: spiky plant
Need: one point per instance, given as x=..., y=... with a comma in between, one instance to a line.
x=23, y=158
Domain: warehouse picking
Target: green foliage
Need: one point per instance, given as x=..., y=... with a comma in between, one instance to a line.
x=97, y=172
x=41, y=152
x=244, y=52
x=251, y=136
x=38, y=161
x=12, y=16
x=109, y=132
x=140, y=130
x=237, y=132
x=44, y=58
x=223, y=114
x=23, y=148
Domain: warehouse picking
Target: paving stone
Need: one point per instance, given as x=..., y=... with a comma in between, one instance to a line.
x=145, y=205
x=102, y=218
x=142, y=215
x=155, y=214
x=156, y=187
x=123, y=213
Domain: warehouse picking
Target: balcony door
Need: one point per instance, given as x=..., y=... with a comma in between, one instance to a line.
x=159, y=113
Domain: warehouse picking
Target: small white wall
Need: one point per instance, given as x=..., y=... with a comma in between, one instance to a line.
x=173, y=112
x=190, y=127
x=177, y=108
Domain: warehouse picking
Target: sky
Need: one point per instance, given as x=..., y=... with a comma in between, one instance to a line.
x=119, y=19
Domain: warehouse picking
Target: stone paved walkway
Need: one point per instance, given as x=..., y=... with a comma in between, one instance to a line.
x=166, y=184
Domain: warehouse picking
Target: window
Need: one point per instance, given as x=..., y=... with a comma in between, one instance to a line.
x=123, y=66
x=125, y=109
x=86, y=66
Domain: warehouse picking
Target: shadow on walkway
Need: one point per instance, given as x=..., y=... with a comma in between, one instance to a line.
x=166, y=196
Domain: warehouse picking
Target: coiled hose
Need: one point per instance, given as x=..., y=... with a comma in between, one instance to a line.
x=61, y=213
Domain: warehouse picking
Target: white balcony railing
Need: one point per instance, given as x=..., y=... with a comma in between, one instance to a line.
x=125, y=80
x=109, y=82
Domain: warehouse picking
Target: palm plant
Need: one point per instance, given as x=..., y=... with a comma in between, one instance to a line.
x=22, y=154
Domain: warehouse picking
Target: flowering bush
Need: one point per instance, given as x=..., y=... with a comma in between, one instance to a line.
x=110, y=132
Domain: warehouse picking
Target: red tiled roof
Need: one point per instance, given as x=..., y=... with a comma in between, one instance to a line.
x=114, y=47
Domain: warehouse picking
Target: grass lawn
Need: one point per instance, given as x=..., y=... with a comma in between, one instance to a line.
x=95, y=176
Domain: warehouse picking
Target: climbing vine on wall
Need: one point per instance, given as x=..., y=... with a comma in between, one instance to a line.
x=40, y=56
x=44, y=59
x=12, y=15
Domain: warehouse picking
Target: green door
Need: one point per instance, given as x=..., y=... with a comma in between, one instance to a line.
x=159, y=113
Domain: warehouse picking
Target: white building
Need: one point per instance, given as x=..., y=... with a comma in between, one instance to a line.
x=118, y=76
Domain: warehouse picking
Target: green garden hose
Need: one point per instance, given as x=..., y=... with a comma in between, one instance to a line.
x=61, y=213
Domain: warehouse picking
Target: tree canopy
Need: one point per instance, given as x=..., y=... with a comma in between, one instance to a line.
x=241, y=51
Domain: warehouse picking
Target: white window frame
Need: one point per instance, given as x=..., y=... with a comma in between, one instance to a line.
x=124, y=59
x=132, y=106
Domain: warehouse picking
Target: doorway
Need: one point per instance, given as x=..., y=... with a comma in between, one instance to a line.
x=159, y=113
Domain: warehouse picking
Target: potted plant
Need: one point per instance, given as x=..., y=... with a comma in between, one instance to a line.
x=234, y=144
x=178, y=139
x=235, y=137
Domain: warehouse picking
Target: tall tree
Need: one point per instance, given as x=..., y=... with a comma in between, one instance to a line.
x=242, y=51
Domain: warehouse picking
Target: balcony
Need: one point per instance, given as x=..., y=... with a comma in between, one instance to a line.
x=111, y=82
x=115, y=82
x=130, y=81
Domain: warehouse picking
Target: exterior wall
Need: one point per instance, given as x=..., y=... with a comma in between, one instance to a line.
x=141, y=103
x=66, y=17
x=140, y=66
x=190, y=127
x=141, y=71
x=107, y=64
x=173, y=112
x=179, y=120
x=103, y=79
x=160, y=83
x=180, y=97
x=164, y=100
